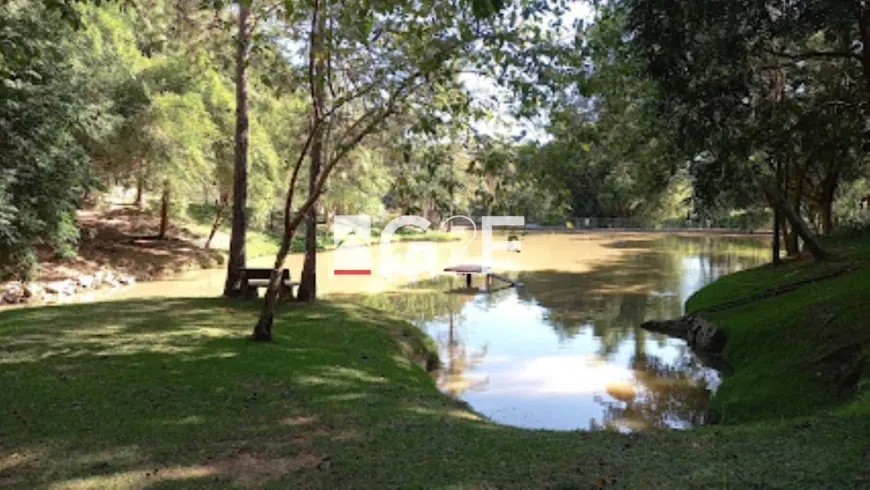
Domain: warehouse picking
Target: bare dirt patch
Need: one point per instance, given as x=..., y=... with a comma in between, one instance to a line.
x=123, y=239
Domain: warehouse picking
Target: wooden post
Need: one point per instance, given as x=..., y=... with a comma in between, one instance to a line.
x=776, y=218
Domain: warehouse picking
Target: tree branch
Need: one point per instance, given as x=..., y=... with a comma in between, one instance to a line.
x=806, y=55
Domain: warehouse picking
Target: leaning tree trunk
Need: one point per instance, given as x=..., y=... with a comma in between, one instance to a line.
x=164, y=212
x=797, y=223
x=219, y=217
x=263, y=329
x=308, y=283
x=236, y=261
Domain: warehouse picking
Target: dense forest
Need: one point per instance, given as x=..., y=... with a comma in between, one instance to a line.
x=650, y=113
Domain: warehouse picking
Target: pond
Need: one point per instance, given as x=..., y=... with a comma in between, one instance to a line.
x=565, y=350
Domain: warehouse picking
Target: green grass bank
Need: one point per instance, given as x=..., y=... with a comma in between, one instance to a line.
x=800, y=353
x=172, y=394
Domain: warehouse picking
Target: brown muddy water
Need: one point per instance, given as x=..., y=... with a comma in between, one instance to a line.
x=563, y=351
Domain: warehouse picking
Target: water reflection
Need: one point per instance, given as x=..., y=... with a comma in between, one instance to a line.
x=565, y=350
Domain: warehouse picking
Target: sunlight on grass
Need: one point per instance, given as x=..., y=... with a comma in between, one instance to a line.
x=108, y=340
x=299, y=420
x=135, y=479
x=453, y=413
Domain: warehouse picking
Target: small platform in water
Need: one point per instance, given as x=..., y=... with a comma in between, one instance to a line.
x=469, y=270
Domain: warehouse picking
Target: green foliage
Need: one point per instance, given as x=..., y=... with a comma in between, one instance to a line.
x=765, y=86
x=849, y=206
x=44, y=171
x=610, y=154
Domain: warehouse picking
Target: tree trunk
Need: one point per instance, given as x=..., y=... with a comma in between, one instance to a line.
x=792, y=246
x=308, y=282
x=864, y=28
x=452, y=196
x=263, y=329
x=826, y=203
x=777, y=226
x=140, y=193
x=217, y=222
x=164, y=212
x=798, y=224
x=236, y=260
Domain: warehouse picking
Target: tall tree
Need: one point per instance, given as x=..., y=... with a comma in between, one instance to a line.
x=238, y=235
x=318, y=78
x=386, y=57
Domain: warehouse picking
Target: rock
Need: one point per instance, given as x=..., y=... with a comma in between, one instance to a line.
x=700, y=334
x=87, y=281
x=61, y=288
x=127, y=280
x=13, y=293
x=111, y=279
x=34, y=290
x=674, y=328
x=703, y=335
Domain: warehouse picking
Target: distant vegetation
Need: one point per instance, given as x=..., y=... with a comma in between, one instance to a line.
x=642, y=126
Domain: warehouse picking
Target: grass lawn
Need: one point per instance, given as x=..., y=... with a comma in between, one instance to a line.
x=171, y=394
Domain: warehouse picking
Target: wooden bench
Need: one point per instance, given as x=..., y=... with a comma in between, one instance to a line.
x=252, y=279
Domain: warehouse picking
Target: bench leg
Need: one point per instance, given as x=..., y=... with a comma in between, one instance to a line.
x=286, y=293
x=468, y=280
x=248, y=292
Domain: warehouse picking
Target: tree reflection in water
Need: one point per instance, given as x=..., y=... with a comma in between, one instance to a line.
x=663, y=396
x=429, y=301
x=453, y=377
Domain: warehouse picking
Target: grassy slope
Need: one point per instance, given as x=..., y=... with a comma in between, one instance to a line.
x=799, y=352
x=170, y=393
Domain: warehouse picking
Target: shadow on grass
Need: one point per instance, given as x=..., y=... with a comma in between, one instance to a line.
x=172, y=394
